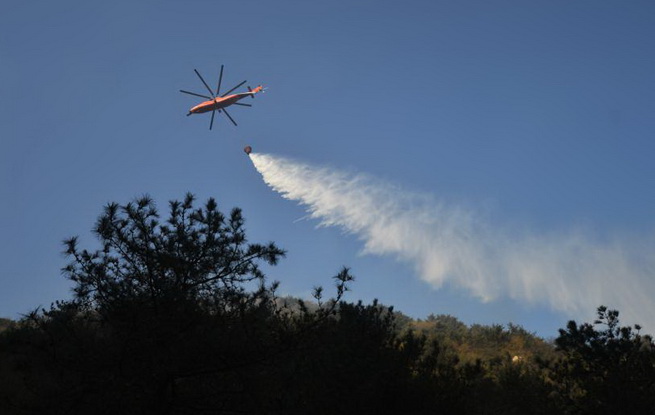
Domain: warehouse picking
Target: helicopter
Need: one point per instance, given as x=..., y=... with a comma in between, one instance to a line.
x=217, y=102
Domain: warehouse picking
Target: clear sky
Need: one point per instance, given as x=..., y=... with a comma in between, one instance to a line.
x=536, y=115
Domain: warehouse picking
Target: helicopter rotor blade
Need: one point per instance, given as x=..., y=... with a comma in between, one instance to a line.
x=193, y=93
x=228, y=116
x=205, y=83
x=220, y=78
x=250, y=90
x=211, y=123
x=233, y=88
x=243, y=105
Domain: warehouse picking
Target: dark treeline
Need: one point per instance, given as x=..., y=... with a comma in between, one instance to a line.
x=174, y=316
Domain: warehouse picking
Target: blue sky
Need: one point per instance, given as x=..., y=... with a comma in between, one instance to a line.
x=537, y=115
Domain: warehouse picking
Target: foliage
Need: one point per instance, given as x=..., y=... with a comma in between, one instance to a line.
x=5, y=323
x=196, y=254
x=493, y=344
x=167, y=317
x=606, y=368
x=175, y=316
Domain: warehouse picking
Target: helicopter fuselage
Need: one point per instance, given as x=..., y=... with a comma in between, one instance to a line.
x=218, y=103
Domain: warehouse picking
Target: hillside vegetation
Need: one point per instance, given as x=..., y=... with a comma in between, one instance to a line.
x=495, y=343
x=5, y=323
x=174, y=316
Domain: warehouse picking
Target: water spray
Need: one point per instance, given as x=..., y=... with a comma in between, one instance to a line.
x=568, y=271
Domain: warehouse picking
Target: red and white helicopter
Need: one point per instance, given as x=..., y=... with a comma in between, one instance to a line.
x=218, y=102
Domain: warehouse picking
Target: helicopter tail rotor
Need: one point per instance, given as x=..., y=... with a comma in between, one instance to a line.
x=256, y=90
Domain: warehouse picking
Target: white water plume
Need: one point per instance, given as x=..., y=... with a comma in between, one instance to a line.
x=569, y=272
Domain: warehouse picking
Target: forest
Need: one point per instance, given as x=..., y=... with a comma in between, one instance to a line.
x=173, y=314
